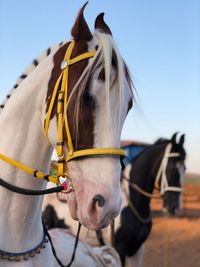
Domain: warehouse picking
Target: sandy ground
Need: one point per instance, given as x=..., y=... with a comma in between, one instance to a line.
x=175, y=242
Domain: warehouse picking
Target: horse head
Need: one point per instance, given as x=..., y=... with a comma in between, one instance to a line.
x=96, y=103
x=175, y=171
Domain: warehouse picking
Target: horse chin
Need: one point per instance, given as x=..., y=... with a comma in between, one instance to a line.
x=80, y=216
x=94, y=225
x=97, y=217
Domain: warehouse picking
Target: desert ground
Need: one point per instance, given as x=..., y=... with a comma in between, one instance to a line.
x=175, y=242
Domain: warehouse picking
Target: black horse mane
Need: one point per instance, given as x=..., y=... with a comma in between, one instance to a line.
x=161, y=141
x=176, y=147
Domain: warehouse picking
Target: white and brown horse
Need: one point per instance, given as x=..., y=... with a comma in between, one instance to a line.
x=96, y=104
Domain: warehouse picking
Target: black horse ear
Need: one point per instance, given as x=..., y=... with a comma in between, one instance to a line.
x=101, y=25
x=173, y=139
x=80, y=30
x=182, y=139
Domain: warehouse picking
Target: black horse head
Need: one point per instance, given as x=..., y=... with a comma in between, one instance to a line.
x=175, y=170
x=160, y=165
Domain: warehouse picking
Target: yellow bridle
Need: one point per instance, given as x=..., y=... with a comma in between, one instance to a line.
x=62, y=99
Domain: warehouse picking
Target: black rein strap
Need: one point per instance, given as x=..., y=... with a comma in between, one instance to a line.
x=25, y=191
x=57, y=189
x=54, y=251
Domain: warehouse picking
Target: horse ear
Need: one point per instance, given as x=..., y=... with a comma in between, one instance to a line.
x=173, y=139
x=101, y=25
x=80, y=30
x=182, y=139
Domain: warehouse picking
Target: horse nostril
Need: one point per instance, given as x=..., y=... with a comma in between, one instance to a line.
x=100, y=200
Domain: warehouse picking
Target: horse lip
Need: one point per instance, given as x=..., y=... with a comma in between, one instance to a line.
x=95, y=224
x=73, y=205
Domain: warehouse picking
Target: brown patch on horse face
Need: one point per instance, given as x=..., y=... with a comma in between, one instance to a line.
x=85, y=137
x=57, y=59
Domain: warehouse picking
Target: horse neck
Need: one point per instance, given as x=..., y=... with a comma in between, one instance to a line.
x=22, y=139
x=143, y=173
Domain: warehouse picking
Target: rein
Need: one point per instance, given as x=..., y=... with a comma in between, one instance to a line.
x=139, y=189
x=24, y=191
x=54, y=251
x=136, y=213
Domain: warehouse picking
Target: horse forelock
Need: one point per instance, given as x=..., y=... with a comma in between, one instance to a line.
x=107, y=59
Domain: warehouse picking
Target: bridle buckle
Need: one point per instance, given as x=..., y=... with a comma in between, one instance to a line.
x=66, y=182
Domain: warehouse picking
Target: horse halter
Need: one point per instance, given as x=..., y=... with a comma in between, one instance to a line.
x=162, y=176
x=62, y=102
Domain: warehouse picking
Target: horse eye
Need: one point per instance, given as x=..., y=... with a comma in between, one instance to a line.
x=88, y=100
x=102, y=75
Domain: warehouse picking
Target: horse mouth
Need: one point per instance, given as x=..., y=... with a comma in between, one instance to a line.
x=95, y=225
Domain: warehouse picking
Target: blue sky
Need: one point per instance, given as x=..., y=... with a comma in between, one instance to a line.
x=158, y=39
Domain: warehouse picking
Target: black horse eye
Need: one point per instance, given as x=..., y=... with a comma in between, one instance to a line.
x=88, y=100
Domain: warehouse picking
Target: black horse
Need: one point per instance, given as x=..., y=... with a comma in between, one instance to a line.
x=161, y=165
x=51, y=220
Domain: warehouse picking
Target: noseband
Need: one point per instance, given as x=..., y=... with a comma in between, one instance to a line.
x=61, y=96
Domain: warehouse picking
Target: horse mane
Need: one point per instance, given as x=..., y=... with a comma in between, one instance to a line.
x=164, y=141
x=103, y=59
x=31, y=67
x=161, y=141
